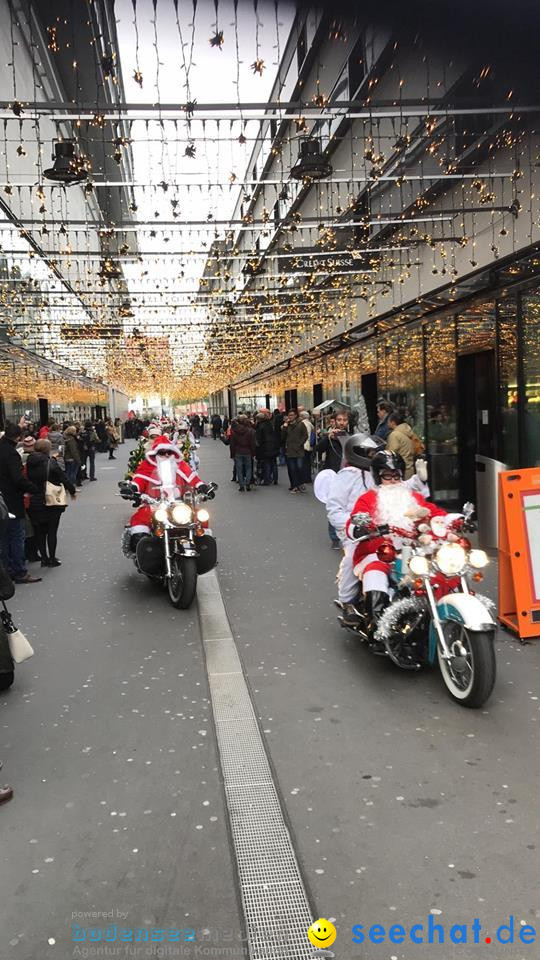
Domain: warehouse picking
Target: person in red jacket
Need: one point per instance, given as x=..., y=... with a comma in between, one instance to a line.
x=390, y=502
x=165, y=469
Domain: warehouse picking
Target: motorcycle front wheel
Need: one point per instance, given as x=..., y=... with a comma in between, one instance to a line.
x=469, y=676
x=182, y=585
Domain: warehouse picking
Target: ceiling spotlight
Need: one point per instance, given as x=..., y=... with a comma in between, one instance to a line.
x=311, y=164
x=68, y=168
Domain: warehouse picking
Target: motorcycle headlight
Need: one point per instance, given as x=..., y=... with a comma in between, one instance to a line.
x=478, y=559
x=419, y=565
x=181, y=513
x=160, y=513
x=451, y=559
x=203, y=515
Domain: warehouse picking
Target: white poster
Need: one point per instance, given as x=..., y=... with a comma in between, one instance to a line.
x=531, y=505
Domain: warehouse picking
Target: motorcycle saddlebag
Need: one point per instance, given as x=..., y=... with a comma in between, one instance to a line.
x=207, y=556
x=150, y=556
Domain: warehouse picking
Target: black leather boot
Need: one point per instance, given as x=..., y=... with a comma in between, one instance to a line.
x=376, y=602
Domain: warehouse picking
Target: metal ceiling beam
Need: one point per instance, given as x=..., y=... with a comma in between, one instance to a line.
x=304, y=223
x=241, y=184
x=308, y=109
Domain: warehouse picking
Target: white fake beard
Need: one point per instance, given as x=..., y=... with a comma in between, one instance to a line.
x=393, y=500
x=166, y=468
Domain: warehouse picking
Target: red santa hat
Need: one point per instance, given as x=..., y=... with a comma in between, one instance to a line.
x=160, y=444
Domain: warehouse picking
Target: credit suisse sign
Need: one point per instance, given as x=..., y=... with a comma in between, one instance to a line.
x=311, y=261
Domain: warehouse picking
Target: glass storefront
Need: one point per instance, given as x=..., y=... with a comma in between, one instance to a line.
x=507, y=338
x=465, y=379
x=531, y=376
x=441, y=399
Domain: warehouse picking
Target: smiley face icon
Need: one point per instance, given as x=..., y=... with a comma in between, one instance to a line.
x=322, y=933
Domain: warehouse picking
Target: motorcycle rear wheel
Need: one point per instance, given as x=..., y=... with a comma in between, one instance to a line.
x=182, y=586
x=471, y=678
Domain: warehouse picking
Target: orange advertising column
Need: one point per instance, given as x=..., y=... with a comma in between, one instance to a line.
x=519, y=551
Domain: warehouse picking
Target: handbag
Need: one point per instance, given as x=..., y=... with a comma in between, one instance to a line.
x=19, y=647
x=55, y=495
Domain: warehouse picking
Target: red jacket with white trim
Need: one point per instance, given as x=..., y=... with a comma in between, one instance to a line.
x=367, y=503
x=147, y=478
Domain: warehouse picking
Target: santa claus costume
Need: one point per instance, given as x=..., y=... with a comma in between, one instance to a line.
x=391, y=502
x=163, y=469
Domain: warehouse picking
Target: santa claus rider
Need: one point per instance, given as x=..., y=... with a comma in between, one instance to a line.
x=391, y=502
x=163, y=469
x=353, y=480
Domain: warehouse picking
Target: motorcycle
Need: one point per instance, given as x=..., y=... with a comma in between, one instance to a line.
x=179, y=548
x=433, y=614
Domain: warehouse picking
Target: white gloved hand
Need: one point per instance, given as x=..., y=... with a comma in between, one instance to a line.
x=421, y=469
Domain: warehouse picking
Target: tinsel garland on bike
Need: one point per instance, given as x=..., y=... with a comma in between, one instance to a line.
x=394, y=616
x=136, y=457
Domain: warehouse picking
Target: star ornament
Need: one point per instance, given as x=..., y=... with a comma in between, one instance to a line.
x=258, y=66
x=217, y=40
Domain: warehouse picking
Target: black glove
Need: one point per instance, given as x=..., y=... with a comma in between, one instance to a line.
x=128, y=489
x=208, y=490
x=362, y=525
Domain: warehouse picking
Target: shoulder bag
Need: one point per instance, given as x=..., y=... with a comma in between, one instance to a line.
x=19, y=647
x=55, y=495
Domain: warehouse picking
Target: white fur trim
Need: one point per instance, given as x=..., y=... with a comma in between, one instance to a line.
x=140, y=528
x=153, y=452
x=375, y=580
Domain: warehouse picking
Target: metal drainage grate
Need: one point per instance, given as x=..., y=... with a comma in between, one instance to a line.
x=274, y=900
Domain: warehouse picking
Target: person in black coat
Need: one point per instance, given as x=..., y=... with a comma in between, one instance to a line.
x=268, y=445
x=45, y=520
x=13, y=486
x=216, y=426
x=330, y=444
x=101, y=431
x=90, y=441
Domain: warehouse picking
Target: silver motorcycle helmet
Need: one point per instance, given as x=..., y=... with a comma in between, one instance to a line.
x=359, y=449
